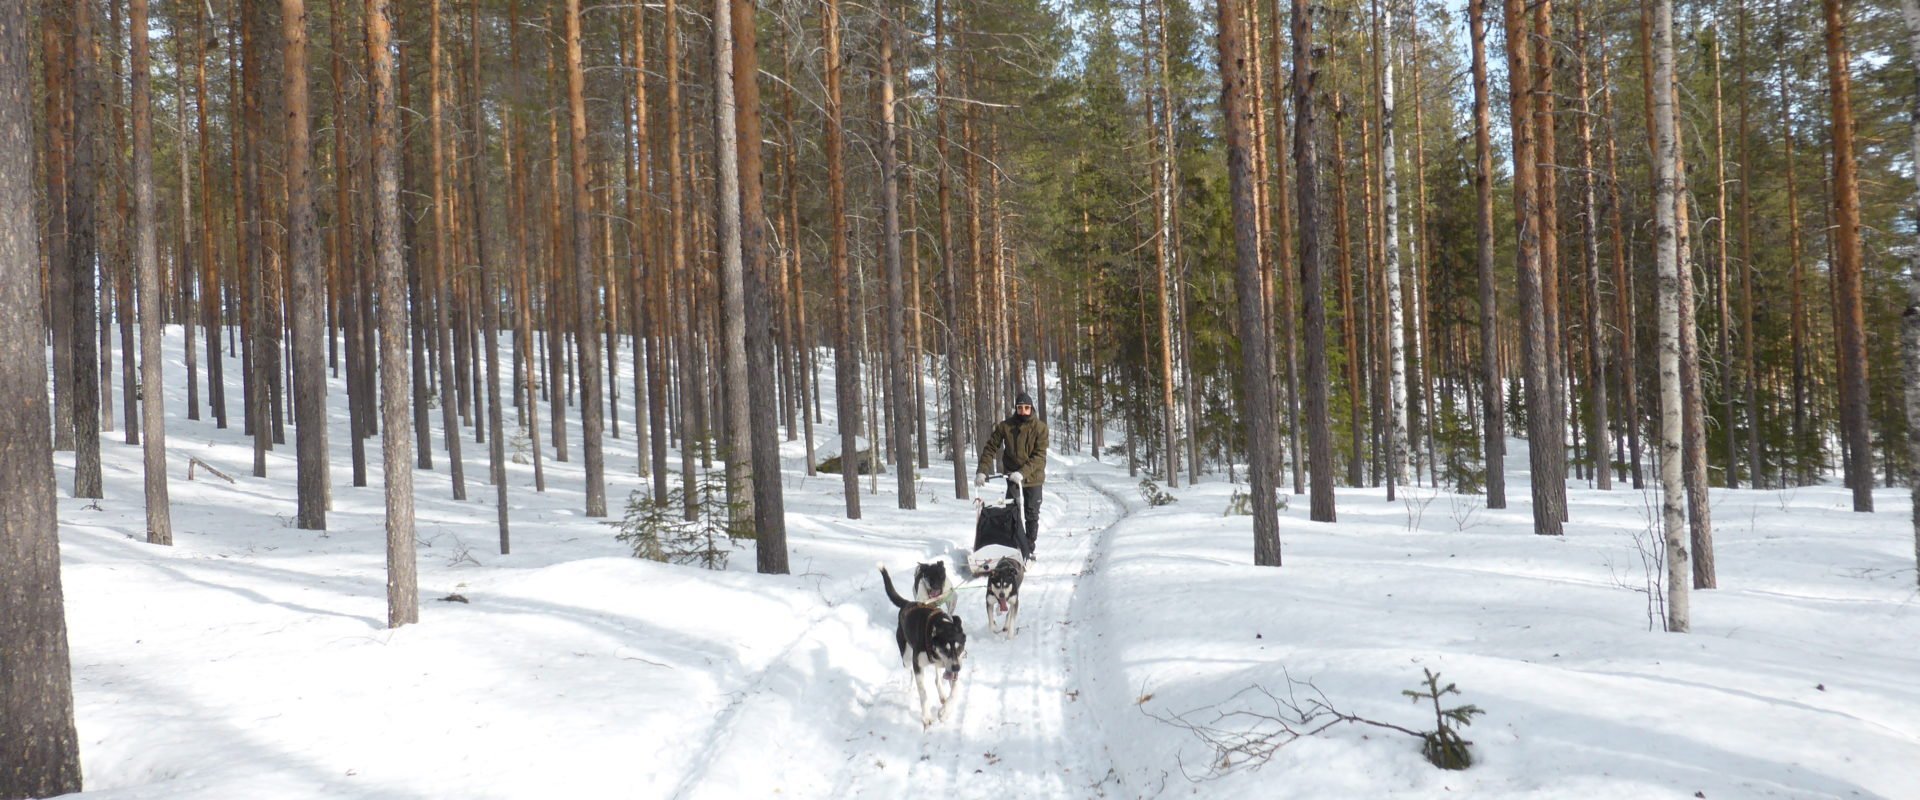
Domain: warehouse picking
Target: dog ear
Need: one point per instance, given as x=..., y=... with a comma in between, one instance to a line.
x=957, y=623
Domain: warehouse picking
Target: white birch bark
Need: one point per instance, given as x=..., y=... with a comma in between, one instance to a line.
x=1667, y=264
x=1396, y=314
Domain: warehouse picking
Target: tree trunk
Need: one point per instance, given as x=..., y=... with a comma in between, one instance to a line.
x=59, y=165
x=1667, y=261
x=489, y=291
x=769, y=502
x=259, y=340
x=1849, y=309
x=1284, y=260
x=1910, y=316
x=1589, y=229
x=82, y=246
x=956, y=404
x=1396, y=444
x=1493, y=396
x=441, y=279
x=1542, y=428
x=588, y=296
x=309, y=291
x=899, y=391
x=39, y=749
x=733, y=326
x=153, y=407
x=396, y=443
x=1256, y=384
x=1343, y=238
x=1307, y=184
x=846, y=361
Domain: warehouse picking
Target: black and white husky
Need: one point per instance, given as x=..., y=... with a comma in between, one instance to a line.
x=932, y=643
x=930, y=584
x=1003, y=593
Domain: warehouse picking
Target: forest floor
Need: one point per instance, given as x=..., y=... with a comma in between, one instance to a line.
x=252, y=659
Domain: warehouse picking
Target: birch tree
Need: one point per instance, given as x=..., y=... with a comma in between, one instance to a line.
x=1679, y=576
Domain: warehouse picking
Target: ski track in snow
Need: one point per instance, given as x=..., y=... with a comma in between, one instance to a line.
x=1021, y=725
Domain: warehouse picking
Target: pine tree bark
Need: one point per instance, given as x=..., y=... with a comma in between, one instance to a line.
x=441, y=278
x=396, y=435
x=1849, y=308
x=588, y=296
x=899, y=391
x=846, y=361
x=82, y=249
x=1543, y=430
x=1256, y=384
x=59, y=164
x=1667, y=262
x=39, y=748
x=1287, y=312
x=309, y=291
x=733, y=325
x=1493, y=398
x=957, y=440
x=153, y=407
x=255, y=274
x=1307, y=184
x=1589, y=229
x=769, y=502
x=489, y=291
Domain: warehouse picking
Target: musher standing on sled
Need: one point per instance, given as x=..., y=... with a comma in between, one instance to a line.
x=1020, y=441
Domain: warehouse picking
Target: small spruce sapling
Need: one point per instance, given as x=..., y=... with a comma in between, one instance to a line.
x=1153, y=494
x=1444, y=747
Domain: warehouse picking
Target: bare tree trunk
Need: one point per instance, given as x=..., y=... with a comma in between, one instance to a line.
x=1543, y=430
x=1667, y=260
x=82, y=247
x=1493, y=398
x=769, y=502
x=489, y=291
x=1750, y=372
x=846, y=362
x=1797, y=334
x=153, y=407
x=1589, y=228
x=733, y=325
x=1849, y=310
x=1626, y=316
x=1343, y=237
x=899, y=392
x=588, y=310
x=255, y=274
x=1256, y=384
x=309, y=292
x=59, y=165
x=956, y=404
x=1390, y=203
x=39, y=749
x=396, y=442
x=442, y=277
x=1307, y=169
x=1284, y=260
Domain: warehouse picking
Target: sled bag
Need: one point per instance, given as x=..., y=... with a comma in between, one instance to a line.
x=1001, y=525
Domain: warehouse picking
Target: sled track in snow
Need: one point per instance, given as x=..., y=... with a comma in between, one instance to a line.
x=1022, y=725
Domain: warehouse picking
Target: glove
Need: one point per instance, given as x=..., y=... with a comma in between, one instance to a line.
x=1016, y=477
x=979, y=479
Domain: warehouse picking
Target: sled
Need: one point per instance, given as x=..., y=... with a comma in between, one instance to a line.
x=999, y=531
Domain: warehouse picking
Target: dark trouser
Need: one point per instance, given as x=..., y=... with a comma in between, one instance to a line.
x=1032, y=502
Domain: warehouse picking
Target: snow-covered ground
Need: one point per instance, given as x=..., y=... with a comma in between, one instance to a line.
x=252, y=659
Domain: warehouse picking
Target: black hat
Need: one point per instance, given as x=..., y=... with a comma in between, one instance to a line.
x=1023, y=399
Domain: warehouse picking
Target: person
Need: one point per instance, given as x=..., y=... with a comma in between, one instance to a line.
x=1020, y=444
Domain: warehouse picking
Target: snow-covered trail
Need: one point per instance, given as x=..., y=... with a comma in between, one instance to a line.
x=1021, y=723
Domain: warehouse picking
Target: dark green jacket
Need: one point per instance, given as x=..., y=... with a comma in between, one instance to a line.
x=1021, y=445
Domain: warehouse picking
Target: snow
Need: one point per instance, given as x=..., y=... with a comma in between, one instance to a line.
x=252, y=659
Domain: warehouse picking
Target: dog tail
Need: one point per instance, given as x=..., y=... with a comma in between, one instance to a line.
x=898, y=601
